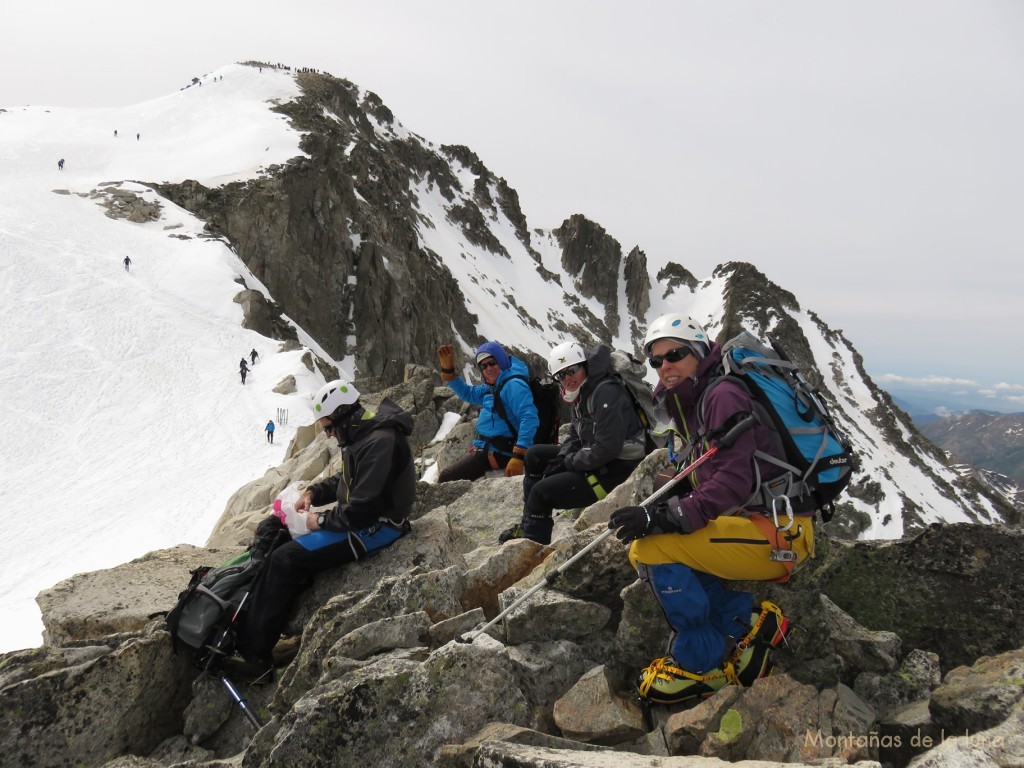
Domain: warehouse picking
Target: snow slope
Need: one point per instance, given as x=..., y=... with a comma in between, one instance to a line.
x=127, y=426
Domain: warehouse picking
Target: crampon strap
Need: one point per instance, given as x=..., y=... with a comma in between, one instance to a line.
x=666, y=670
x=766, y=608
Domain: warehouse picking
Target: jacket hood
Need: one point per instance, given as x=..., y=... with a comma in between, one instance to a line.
x=388, y=414
x=516, y=367
x=599, y=364
x=495, y=350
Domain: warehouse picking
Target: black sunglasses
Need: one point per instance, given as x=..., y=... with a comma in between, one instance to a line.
x=329, y=429
x=485, y=364
x=673, y=356
x=572, y=370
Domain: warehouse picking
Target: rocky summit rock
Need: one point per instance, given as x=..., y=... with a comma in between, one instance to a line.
x=980, y=697
x=391, y=671
x=998, y=747
x=126, y=700
x=121, y=599
x=593, y=712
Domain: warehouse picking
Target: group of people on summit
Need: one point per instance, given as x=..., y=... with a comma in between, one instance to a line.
x=685, y=547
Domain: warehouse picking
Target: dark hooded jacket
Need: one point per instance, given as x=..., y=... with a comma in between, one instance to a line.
x=605, y=425
x=726, y=481
x=377, y=481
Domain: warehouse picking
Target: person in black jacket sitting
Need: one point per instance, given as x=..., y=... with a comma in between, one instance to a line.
x=373, y=496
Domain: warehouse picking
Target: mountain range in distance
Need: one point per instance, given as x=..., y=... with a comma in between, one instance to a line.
x=925, y=405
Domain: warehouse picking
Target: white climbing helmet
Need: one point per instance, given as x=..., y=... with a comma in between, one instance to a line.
x=332, y=396
x=565, y=354
x=675, y=326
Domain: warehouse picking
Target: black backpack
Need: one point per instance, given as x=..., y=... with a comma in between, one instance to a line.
x=203, y=624
x=548, y=401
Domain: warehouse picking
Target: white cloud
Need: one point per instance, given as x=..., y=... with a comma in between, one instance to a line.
x=924, y=381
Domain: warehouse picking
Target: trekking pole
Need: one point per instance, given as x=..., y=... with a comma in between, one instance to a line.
x=242, y=704
x=725, y=442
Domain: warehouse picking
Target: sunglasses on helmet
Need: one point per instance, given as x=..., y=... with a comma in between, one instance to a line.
x=672, y=356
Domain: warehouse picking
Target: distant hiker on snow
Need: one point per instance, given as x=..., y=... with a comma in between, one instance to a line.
x=254, y=355
x=243, y=368
x=372, y=497
x=606, y=442
x=127, y=263
x=686, y=547
x=497, y=445
x=270, y=431
x=60, y=164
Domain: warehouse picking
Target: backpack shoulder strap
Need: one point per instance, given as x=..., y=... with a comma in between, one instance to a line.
x=499, y=404
x=609, y=379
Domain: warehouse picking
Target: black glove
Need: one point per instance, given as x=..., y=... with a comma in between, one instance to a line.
x=554, y=466
x=636, y=522
x=669, y=517
x=633, y=523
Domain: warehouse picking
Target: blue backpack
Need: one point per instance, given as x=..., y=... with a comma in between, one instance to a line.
x=815, y=453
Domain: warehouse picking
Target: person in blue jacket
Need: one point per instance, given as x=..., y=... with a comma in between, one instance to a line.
x=501, y=439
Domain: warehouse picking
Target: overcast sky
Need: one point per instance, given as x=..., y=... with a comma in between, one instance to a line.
x=865, y=155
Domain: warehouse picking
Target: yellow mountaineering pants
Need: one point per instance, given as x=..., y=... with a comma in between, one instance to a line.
x=732, y=547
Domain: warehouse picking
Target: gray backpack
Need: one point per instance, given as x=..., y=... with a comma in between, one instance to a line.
x=629, y=372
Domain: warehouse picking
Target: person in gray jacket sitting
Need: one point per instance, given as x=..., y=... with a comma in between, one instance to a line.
x=605, y=444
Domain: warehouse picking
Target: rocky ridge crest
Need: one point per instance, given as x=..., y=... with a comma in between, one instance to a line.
x=894, y=649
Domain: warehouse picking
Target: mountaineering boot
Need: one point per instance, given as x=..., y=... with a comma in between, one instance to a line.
x=663, y=681
x=514, y=532
x=287, y=648
x=769, y=627
x=533, y=528
x=255, y=672
x=752, y=658
x=753, y=663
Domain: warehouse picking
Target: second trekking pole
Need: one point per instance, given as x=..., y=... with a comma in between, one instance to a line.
x=723, y=443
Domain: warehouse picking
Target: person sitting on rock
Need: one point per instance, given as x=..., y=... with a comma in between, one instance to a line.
x=372, y=495
x=605, y=443
x=686, y=547
x=508, y=416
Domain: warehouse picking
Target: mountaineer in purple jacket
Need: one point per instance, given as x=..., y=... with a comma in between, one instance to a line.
x=685, y=548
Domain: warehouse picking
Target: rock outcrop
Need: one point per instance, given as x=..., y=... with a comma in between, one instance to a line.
x=902, y=649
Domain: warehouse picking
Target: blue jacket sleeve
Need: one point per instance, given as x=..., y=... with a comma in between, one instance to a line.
x=474, y=395
x=521, y=410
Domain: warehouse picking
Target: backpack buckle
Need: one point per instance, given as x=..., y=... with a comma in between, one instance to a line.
x=783, y=556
